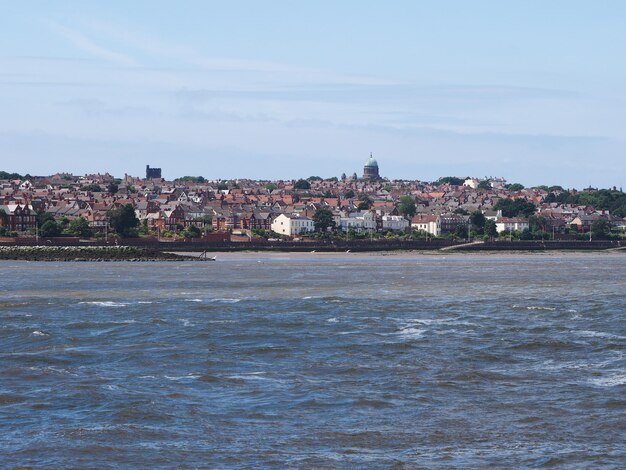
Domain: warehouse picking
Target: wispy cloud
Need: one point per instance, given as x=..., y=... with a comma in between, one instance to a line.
x=85, y=44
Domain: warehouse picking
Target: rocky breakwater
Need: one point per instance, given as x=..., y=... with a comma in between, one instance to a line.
x=94, y=253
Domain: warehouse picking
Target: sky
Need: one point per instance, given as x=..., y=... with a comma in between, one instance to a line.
x=531, y=91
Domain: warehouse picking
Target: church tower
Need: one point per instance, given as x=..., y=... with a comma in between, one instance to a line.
x=370, y=170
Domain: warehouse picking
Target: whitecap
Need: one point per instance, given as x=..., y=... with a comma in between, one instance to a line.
x=105, y=303
x=227, y=300
x=599, y=334
x=610, y=381
x=411, y=332
x=332, y=320
x=39, y=333
x=193, y=300
x=182, y=377
x=185, y=322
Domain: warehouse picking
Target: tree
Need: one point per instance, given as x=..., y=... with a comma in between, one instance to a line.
x=50, y=229
x=302, y=184
x=490, y=228
x=93, y=187
x=407, y=207
x=515, y=207
x=349, y=194
x=460, y=231
x=314, y=178
x=80, y=227
x=514, y=187
x=601, y=229
x=323, y=219
x=123, y=220
x=365, y=203
x=484, y=184
x=112, y=188
x=270, y=187
x=4, y=218
x=477, y=218
x=192, y=232
x=43, y=217
x=451, y=180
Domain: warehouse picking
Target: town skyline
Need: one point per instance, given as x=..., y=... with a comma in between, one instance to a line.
x=283, y=90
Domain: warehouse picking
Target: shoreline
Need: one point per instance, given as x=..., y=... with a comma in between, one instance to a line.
x=141, y=254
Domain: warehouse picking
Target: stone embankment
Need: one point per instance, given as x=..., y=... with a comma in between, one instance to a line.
x=94, y=253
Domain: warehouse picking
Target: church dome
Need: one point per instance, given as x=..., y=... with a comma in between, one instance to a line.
x=371, y=162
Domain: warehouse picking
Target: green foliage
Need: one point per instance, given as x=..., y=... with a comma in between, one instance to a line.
x=460, y=231
x=191, y=179
x=124, y=221
x=80, y=227
x=349, y=194
x=604, y=199
x=323, y=219
x=270, y=186
x=222, y=186
x=485, y=184
x=332, y=179
x=514, y=187
x=4, y=218
x=460, y=210
x=93, y=188
x=112, y=188
x=601, y=229
x=50, y=229
x=490, y=228
x=193, y=232
x=315, y=178
x=365, y=203
x=451, y=180
x=302, y=184
x=11, y=176
x=477, y=218
x=515, y=207
x=407, y=206
x=43, y=217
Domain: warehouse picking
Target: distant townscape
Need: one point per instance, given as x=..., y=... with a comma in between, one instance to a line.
x=345, y=207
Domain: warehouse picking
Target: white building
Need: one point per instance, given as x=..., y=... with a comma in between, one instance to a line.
x=292, y=225
x=359, y=222
x=509, y=224
x=427, y=223
x=471, y=183
x=395, y=222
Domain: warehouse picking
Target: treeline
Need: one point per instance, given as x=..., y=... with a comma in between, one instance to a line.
x=13, y=176
x=603, y=199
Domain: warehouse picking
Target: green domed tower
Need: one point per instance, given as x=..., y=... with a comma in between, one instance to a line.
x=370, y=170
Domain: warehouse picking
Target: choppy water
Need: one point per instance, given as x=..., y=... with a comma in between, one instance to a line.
x=315, y=361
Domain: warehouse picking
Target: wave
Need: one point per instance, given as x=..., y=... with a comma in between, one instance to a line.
x=39, y=333
x=411, y=332
x=610, y=381
x=535, y=307
x=105, y=303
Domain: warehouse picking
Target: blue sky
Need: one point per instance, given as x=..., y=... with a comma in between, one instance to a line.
x=533, y=91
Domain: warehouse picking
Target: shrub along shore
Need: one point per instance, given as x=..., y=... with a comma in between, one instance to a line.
x=92, y=253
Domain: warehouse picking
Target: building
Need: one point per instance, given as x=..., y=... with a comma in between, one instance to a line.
x=292, y=225
x=427, y=223
x=18, y=217
x=370, y=169
x=395, y=222
x=152, y=172
x=510, y=224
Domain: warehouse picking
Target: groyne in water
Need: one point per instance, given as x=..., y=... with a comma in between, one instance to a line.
x=92, y=253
